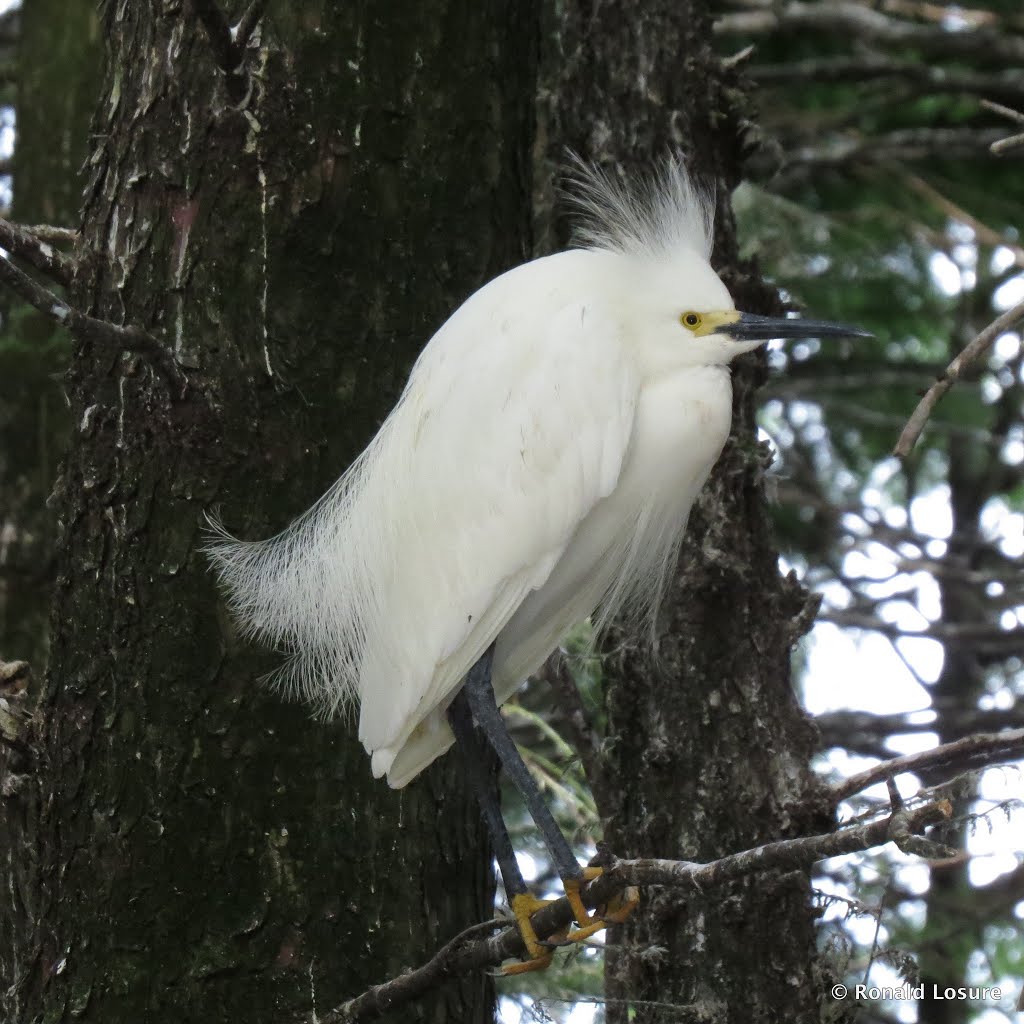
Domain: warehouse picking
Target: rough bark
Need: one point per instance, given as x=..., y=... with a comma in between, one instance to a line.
x=193, y=848
x=708, y=750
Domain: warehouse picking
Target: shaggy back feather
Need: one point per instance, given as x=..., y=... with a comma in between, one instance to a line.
x=323, y=589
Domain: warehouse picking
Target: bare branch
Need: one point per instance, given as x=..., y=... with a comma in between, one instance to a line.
x=865, y=731
x=973, y=351
x=985, y=234
x=854, y=19
x=14, y=677
x=989, y=638
x=1001, y=146
x=981, y=750
x=998, y=108
x=1012, y=142
x=461, y=957
x=41, y=255
x=1008, y=84
x=52, y=234
x=124, y=339
x=910, y=145
x=15, y=753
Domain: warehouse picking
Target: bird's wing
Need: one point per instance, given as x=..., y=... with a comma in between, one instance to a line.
x=513, y=438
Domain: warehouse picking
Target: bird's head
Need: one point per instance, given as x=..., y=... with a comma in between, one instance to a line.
x=658, y=233
x=679, y=314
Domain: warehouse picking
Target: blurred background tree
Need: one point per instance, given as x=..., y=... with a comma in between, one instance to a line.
x=877, y=146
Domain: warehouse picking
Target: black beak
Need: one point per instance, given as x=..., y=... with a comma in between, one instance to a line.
x=751, y=327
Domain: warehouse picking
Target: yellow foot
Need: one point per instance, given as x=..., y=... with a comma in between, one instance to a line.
x=588, y=924
x=524, y=905
x=614, y=913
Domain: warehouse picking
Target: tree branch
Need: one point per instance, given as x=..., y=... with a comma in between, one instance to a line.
x=1012, y=142
x=853, y=19
x=49, y=233
x=977, y=348
x=898, y=147
x=980, y=750
x=977, y=636
x=15, y=753
x=40, y=254
x=1008, y=84
x=461, y=956
x=14, y=677
x=124, y=339
x=865, y=731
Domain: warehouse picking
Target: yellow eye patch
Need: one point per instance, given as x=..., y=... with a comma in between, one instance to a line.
x=703, y=324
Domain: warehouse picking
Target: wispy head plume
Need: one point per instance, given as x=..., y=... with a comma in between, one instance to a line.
x=655, y=217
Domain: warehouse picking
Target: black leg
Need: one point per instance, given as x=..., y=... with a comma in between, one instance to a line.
x=471, y=748
x=480, y=697
x=476, y=722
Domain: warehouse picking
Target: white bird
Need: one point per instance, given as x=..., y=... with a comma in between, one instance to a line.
x=538, y=469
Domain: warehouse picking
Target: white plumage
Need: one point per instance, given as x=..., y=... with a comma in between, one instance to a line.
x=538, y=468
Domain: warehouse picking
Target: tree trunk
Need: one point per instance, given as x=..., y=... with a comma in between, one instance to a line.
x=708, y=750
x=193, y=848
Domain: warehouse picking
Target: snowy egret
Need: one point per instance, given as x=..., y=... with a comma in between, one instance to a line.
x=538, y=469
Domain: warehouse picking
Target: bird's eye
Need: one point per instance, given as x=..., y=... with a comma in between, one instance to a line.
x=691, y=320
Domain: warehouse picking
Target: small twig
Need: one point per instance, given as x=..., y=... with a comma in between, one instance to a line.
x=1007, y=112
x=947, y=206
x=40, y=254
x=1002, y=145
x=52, y=234
x=125, y=339
x=973, y=351
x=226, y=54
x=459, y=957
x=878, y=928
x=14, y=677
x=980, y=749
